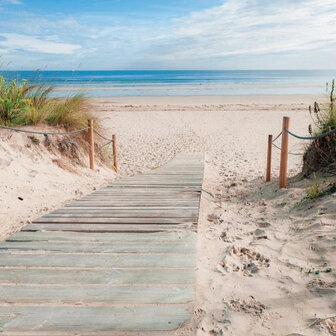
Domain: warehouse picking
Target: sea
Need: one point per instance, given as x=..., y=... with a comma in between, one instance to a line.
x=179, y=83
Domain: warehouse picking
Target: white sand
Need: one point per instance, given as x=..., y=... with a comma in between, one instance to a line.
x=44, y=179
x=234, y=135
x=253, y=240
x=255, y=246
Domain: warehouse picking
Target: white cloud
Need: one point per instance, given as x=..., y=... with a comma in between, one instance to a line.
x=15, y=41
x=252, y=27
x=11, y=2
x=230, y=35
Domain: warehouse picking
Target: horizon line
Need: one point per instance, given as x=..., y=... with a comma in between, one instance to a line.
x=79, y=70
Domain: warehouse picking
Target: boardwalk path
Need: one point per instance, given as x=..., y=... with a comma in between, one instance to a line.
x=119, y=260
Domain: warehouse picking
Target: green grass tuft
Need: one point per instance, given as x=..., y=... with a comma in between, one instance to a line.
x=314, y=191
x=24, y=104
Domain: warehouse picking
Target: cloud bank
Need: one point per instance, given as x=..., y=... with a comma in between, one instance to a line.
x=237, y=33
x=15, y=41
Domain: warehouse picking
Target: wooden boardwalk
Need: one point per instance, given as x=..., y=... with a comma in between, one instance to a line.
x=119, y=261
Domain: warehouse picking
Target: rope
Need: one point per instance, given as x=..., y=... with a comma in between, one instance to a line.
x=276, y=146
x=43, y=133
x=319, y=136
x=290, y=153
x=100, y=147
x=103, y=137
x=277, y=136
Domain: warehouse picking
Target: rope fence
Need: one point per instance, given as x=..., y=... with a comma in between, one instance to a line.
x=284, y=150
x=91, y=132
x=319, y=136
x=41, y=132
x=105, y=144
x=277, y=137
x=102, y=136
x=290, y=153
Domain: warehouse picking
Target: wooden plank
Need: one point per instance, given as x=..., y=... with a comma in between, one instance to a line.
x=111, y=206
x=115, y=247
x=95, y=277
x=143, y=190
x=108, y=220
x=120, y=213
x=96, y=260
x=182, y=179
x=129, y=194
x=112, y=333
x=107, y=227
x=195, y=187
x=92, y=319
x=148, y=194
x=75, y=294
x=141, y=238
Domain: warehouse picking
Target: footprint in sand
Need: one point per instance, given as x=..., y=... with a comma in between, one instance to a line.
x=241, y=259
x=326, y=326
x=252, y=307
x=319, y=285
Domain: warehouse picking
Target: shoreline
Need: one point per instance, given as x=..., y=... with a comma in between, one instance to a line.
x=223, y=99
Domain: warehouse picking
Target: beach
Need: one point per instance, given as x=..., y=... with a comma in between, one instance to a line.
x=168, y=168
x=255, y=246
x=232, y=130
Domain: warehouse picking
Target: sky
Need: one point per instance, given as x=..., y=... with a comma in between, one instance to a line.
x=167, y=34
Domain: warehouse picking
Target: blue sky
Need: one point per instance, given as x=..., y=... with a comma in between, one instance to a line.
x=167, y=34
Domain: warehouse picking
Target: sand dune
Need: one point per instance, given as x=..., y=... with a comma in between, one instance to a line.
x=36, y=179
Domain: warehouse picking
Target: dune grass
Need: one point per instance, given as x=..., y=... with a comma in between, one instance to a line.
x=321, y=153
x=25, y=104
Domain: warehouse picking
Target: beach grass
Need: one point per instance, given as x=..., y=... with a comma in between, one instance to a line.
x=24, y=104
x=321, y=153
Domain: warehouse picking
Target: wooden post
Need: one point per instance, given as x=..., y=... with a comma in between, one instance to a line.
x=269, y=158
x=284, y=154
x=114, y=145
x=91, y=144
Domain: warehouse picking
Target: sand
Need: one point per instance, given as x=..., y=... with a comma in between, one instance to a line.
x=258, y=247
x=36, y=179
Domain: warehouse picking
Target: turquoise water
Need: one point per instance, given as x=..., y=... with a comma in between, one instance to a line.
x=180, y=83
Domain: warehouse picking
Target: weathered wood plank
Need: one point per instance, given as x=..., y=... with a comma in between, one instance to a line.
x=135, y=228
x=111, y=206
x=146, y=213
x=96, y=260
x=92, y=319
x=141, y=238
x=97, y=247
x=76, y=294
x=112, y=333
x=95, y=277
x=108, y=220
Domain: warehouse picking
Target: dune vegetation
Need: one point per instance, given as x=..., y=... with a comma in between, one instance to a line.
x=22, y=103
x=321, y=153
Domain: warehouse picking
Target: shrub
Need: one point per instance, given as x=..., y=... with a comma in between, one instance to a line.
x=24, y=104
x=314, y=191
x=70, y=112
x=13, y=102
x=321, y=153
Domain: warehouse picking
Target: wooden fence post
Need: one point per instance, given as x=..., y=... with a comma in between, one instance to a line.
x=269, y=158
x=91, y=144
x=114, y=145
x=284, y=154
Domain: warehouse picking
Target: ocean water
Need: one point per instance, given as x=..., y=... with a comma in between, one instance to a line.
x=180, y=83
